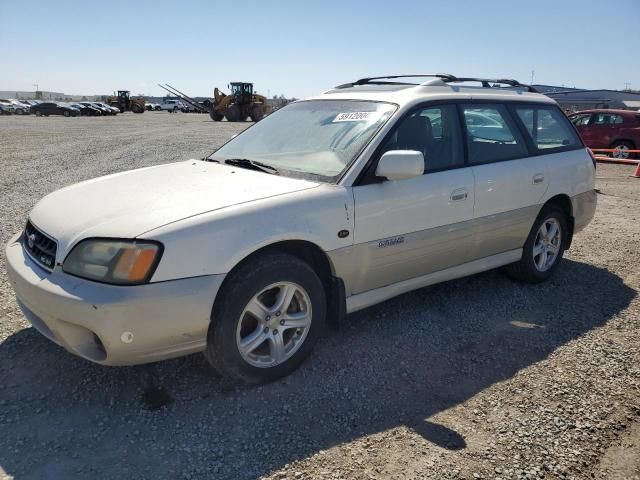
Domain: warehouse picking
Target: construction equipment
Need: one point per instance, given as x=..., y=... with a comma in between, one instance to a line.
x=241, y=103
x=124, y=102
x=198, y=107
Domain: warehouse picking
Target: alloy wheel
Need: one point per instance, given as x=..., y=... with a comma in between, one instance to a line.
x=274, y=324
x=547, y=244
x=621, y=151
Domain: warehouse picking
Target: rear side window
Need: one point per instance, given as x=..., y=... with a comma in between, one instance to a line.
x=606, y=119
x=491, y=134
x=547, y=127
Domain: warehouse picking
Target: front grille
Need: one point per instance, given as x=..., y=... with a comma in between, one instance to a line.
x=41, y=248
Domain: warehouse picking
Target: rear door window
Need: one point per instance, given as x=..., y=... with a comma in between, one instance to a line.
x=492, y=134
x=606, y=119
x=547, y=127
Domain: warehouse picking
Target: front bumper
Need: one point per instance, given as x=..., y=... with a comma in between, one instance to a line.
x=113, y=325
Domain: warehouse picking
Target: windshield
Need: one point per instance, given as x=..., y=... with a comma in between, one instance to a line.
x=316, y=137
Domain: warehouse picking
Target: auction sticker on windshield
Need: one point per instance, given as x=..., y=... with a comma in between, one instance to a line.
x=356, y=117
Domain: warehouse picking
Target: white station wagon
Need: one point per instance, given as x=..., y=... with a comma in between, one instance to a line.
x=327, y=206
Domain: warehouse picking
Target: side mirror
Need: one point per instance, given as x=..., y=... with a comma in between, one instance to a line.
x=400, y=164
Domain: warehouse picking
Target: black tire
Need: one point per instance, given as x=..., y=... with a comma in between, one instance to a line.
x=216, y=116
x=525, y=270
x=240, y=287
x=38, y=113
x=66, y=113
x=233, y=113
x=257, y=113
x=623, y=145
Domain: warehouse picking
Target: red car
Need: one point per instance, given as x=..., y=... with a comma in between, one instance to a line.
x=618, y=129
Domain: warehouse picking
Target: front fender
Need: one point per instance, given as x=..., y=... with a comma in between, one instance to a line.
x=214, y=242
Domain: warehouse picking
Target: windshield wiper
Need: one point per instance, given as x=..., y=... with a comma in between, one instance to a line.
x=251, y=165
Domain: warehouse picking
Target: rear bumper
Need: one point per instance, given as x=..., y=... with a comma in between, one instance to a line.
x=113, y=325
x=584, y=208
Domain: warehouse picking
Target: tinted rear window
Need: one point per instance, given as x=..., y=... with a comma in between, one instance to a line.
x=492, y=135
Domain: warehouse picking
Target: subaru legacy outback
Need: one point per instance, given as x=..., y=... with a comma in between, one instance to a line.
x=327, y=206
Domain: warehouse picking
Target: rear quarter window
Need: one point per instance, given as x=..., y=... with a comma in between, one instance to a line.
x=547, y=127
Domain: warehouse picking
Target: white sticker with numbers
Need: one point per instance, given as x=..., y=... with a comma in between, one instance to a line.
x=356, y=117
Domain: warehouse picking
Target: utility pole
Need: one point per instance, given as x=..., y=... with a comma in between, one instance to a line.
x=626, y=86
x=533, y=74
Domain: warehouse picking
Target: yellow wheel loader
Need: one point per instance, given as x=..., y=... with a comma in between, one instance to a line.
x=240, y=104
x=124, y=102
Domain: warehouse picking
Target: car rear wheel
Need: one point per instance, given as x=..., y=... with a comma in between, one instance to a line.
x=543, y=248
x=270, y=313
x=622, y=150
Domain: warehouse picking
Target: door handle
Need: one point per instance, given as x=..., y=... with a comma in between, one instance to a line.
x=459, y=195
x=539, y=178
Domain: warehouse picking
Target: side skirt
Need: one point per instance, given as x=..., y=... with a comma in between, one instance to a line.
x=366, y=299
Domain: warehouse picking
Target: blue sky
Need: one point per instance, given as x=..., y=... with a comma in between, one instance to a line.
x=303, y=47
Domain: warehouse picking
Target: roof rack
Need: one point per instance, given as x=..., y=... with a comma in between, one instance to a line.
x=487, y=82
x=444, y=77
x=374, y=80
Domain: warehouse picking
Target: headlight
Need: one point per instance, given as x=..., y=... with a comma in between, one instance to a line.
x=119, y=262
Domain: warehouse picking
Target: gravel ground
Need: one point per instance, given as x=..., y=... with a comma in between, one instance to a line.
x=474, y=378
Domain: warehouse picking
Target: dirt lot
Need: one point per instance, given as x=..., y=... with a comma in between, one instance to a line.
x=475, y=378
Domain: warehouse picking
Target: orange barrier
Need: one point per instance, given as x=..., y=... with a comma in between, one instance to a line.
x=622, y=161
x=637, y=174
x=611, y=150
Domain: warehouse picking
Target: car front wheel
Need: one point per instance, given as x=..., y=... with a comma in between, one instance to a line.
x=270, y=313
x=543, y=249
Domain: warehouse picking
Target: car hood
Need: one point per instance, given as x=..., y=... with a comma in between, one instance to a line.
x=128, y=204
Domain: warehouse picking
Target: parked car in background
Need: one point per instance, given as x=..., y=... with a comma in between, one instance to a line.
x=153, y=106
x=22, y=108
x=86, y=110
x=617, y=129
x=186, y=108
x=99, y=108
x=171, y=106
x=110, y=108
x=6, y=107
x=54, y=108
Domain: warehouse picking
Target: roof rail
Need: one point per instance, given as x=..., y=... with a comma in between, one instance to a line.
x=373, y=80
x=445, y=77
x=487, y=82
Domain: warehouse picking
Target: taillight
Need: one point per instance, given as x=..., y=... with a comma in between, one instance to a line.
x=593, y=157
